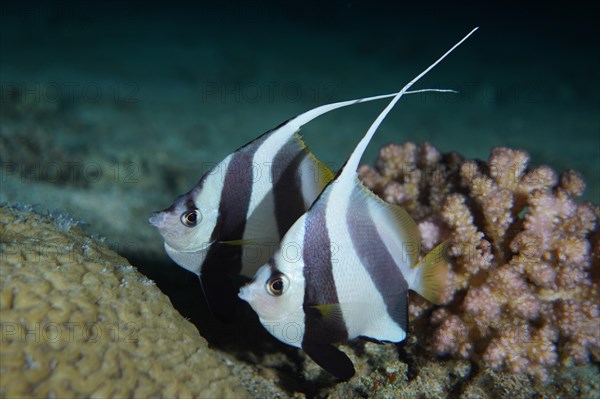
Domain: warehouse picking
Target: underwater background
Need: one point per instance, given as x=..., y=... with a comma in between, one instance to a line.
x=110, y=110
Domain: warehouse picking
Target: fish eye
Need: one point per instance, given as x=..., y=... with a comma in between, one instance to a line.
x=277, y=284
x=191, y=217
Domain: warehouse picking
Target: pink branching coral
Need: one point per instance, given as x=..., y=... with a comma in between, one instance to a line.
x=525, y=286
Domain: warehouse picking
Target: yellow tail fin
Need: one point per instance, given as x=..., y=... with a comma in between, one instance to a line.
x=432, y=274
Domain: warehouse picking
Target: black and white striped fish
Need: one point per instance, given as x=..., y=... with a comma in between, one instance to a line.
x=344, y=268
x=233, y=219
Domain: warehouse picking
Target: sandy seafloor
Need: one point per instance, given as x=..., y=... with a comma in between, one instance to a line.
x=110, y=111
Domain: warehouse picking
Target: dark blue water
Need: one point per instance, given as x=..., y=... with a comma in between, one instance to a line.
x=110, y=110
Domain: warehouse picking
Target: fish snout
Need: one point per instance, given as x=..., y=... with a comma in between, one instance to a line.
x=157, y=219
x=245, y=293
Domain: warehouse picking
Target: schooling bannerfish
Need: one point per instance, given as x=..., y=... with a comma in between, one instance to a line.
x=344, y=268
x=233, y=219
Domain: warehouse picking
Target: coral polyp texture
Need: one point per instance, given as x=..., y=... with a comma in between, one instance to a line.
x=77, y=320
x=524, y=289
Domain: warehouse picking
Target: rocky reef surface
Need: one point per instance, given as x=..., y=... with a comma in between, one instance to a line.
x=520, y=319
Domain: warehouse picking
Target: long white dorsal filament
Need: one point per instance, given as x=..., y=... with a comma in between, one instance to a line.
x=308, y=116
x=352, y=164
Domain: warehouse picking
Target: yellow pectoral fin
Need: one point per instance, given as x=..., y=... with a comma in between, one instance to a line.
x=333, y=313
x=330, y=313
x=241, y=242
x=328, y=309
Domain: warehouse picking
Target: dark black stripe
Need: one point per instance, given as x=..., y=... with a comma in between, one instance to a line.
x=287, y=185
x=379, y=263
x=319, y=283
x=233, y=209
x=223, y=261
x=236, y=194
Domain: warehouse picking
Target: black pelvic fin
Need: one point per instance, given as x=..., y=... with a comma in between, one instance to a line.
x=331, y=359
x=220, y=294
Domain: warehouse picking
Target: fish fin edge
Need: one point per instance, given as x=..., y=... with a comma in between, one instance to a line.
x=432, y=274
x=404, y=224
x=331, y=359
x=324, y=174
